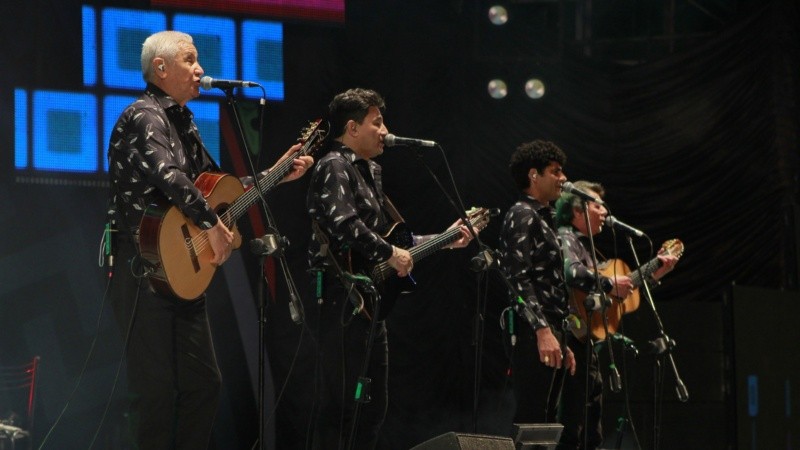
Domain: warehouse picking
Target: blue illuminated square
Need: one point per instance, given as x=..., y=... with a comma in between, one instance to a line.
x=124, y=31
x=262, y=57
x=215, y=39
x=113, y=105
x=89, y=46
x=206, y=116
x=65, y=131
x=20, y=128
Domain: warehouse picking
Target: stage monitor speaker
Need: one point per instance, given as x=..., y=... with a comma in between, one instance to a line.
x=464, y=441
x=536, y=436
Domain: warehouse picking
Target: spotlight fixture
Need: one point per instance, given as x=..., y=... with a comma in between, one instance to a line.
x=534, y=88
x=497, y=88
x=498, y=15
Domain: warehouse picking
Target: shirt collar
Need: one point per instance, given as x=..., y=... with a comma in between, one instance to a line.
x=168, y=103
x=536, y=204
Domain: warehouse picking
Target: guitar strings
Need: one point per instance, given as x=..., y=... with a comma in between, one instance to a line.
x=200, y=241
x=382, y=268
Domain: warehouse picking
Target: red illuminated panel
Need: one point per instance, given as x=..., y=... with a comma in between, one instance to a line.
x=319, y=10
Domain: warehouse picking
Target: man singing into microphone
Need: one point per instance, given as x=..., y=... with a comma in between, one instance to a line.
x=349, y=209
x=578, y=264
x=155, y=154
x=530, y=255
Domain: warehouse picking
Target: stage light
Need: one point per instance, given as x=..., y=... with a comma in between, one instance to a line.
x=497, y=88
x=498, y=15
x=534, y=88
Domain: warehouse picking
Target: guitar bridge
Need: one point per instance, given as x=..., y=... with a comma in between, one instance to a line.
x=187, y=240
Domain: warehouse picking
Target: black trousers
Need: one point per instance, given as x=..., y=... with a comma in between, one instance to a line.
x=536, y=386
x=173, y=378
x=573, y=399
x=343, y=344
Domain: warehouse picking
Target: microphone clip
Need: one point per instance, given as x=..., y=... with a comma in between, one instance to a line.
x=271, y=244
x=484, y=260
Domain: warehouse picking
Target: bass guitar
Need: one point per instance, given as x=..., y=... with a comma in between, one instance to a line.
x=618, y=306
x=177, y=252
x=384, y=276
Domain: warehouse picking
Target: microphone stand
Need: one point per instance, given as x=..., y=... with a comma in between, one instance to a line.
x=484, y=260
x=350, y=282
x=261, y=338
x=663, y=346
x=271, y=244
x=590, y=306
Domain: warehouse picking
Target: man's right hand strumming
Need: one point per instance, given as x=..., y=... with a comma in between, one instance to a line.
x=401, y=261
x=221, y=240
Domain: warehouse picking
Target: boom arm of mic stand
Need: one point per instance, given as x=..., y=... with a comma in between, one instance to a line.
x=680, y=387
x=459, y=208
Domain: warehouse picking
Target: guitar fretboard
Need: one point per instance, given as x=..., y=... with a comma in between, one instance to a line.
x=237, y=209
x=418, y=252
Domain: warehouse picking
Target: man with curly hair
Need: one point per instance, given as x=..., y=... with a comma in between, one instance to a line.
x=530, y=255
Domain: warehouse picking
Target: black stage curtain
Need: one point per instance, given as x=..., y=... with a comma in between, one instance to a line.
x=700, y=145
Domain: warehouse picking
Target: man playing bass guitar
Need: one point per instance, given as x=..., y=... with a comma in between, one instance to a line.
x=350, y=211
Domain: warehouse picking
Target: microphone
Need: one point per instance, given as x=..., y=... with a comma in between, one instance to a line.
x=391, y=140
x=612, y=222
x=570, y=188
x=209, y=83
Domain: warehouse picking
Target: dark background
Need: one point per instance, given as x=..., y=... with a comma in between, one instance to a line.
x=686, y=111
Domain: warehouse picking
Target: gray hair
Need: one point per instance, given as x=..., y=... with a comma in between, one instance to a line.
x=164, y=44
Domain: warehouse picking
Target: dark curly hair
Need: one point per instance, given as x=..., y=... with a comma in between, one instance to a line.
x=567, y=202
x=354, y=105
x=537, y=155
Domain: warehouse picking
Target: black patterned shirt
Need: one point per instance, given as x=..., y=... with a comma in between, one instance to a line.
x=346, y=202
x=578, y=261
x=155, y=151
x=530, y=255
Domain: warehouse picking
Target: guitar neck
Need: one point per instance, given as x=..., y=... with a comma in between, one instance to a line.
x=418, y=252
x=264, y=185
x=645, y=271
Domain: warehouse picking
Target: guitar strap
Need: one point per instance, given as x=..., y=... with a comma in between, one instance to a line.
x=391, y=210
x=364, y=170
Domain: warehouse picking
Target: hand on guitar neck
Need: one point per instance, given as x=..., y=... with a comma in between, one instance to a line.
x=667, y=263
x=299, y=166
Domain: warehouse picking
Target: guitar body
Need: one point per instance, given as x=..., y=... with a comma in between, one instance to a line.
x=177, y=253
x=389, y=285
x=385, y=278
x=618, y=306
x=176, y=249
x=615, y=310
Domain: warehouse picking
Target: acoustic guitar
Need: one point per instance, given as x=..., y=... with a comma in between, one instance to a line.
x=384, y=276
x=619, y=306
x=177, y=252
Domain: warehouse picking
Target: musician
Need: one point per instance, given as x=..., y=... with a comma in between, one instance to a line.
x=578, y=267
x=347, y=203
x=155, y=152
x=530, y=255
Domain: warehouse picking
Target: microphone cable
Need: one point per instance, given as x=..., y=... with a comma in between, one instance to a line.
x=107, y=251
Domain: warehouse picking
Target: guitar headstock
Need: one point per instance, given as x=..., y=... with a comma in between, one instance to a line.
x=479, y=217
x=312, y=137
x=672, y=247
